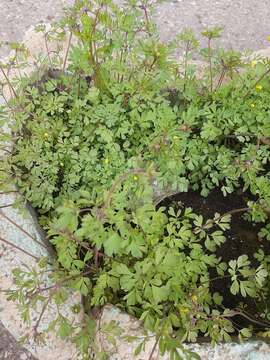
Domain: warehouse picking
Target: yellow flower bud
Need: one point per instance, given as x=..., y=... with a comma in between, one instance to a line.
x=135, y=177
x=184, y=309
x=253, y=63
x=259, y=87
x=194, y=298
x=106, y=161
x=46, y=135
x=252, y=105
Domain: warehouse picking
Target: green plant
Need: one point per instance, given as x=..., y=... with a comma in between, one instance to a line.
x=96, y=133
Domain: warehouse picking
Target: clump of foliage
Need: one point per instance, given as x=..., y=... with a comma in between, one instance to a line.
x=97, y=132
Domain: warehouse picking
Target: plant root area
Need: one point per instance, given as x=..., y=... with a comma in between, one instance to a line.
x=241, y=239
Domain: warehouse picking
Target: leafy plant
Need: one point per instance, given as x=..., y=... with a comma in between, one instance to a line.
x=97, y=134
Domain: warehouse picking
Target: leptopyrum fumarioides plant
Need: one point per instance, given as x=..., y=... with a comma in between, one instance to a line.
x=93, y=131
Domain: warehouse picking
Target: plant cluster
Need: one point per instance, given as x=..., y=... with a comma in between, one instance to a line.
x=104, y=128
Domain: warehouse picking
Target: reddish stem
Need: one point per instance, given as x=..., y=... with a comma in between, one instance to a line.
x=19, y=248
x=6, y=206
x=22, y=229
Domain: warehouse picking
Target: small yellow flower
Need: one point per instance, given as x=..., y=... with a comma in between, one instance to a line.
x=46, y=135
x=252, y=105
x=106, y=161
x=194, y=298
x=184, y=309
x=175, y=137
x=62, y=164
x=135, y=178
x=253, y=63
x=259, y=87
x=268, y=37
x=76, y=309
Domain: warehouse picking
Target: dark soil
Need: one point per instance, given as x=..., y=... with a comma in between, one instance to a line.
x=242, y=238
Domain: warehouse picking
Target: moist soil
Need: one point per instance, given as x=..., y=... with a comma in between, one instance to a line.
x=242, y=238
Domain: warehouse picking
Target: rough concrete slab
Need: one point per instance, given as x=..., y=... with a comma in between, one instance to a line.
x=9, y=348
x=10, y=258
x=16, y=16
x=123, y=350
x=21, y=230
x=246, y=22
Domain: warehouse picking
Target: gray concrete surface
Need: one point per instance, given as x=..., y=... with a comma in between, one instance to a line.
x=246, y=22
x=246, y=25
x=16, y=16
x=9, y=349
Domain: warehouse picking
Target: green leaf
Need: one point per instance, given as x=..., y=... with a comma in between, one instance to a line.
x=64, y=329
x=83, y=285
x=247, y=288
x=50, y=85
x=198, y=221
x=218, y=237
x=233, y=264
x=139, y=348
x=243, y=261
x=261, y=275
x=93, y=94
x=217, y=298
x=159, y=293
x=234, y=287
x=88, y=256
x=209, y=244
x=246, y=332
x=112, y=244
x=122, y=269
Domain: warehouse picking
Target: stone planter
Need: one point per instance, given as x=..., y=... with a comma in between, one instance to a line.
x=22, y=230
x=27, y=236
x=251, y=350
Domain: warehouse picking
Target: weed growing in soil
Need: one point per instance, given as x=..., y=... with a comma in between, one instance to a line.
x=98, y=132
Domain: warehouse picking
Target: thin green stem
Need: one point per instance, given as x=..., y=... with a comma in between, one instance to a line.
x=210, y=64
x=67, y=51
x=47, y=49
x=231, y=212
x=8, y=81
x=44, y=307
x=240, y=313
x=256, y=82
x=18, y=65
x=58, y=284
x=185, y=64
x=221, y=78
